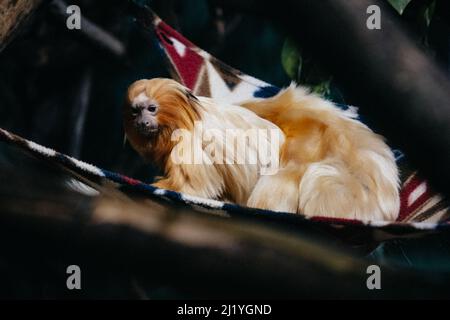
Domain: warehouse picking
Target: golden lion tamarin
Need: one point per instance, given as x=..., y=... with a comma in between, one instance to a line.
x=157, y=109
x=329, y=164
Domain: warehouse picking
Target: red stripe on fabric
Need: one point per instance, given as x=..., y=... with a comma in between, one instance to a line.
x=167, y=30
x=189, y=65
x=408, y=188
x=130, y=181
x=336, y=220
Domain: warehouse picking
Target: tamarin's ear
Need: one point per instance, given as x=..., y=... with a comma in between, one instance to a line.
x=190, y=95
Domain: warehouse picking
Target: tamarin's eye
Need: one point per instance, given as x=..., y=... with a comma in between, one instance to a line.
x=134, y=112
x=151, y=108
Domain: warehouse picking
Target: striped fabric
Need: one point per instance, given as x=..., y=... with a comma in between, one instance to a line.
x=421, y=210
x=208, y=76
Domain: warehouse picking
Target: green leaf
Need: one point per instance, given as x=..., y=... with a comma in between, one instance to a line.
x=291, y=59
x=323, y=89
x=399, y=5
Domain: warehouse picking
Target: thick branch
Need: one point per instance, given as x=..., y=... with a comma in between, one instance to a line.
x=12, y=14
x=197, y=253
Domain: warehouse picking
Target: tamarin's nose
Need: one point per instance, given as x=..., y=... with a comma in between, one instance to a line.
x=143, y=124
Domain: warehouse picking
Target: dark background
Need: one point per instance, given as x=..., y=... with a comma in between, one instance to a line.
x=52, y=79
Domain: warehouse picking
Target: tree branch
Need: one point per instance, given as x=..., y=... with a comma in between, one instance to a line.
x=196, y=253
x=12, y=14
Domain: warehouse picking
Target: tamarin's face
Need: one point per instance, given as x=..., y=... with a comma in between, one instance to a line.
x=143, y=112
x=153, y=109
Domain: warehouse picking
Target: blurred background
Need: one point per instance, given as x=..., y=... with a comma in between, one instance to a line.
x=64, y=89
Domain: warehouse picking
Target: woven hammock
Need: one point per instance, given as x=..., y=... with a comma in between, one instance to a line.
x=422, y=210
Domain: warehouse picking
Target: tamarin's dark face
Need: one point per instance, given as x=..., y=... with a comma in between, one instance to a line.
x=143, y=114
x=154, y=109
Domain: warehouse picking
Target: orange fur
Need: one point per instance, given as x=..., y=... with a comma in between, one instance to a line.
x=331, y=164
x=350, y=171
x=178, y=110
